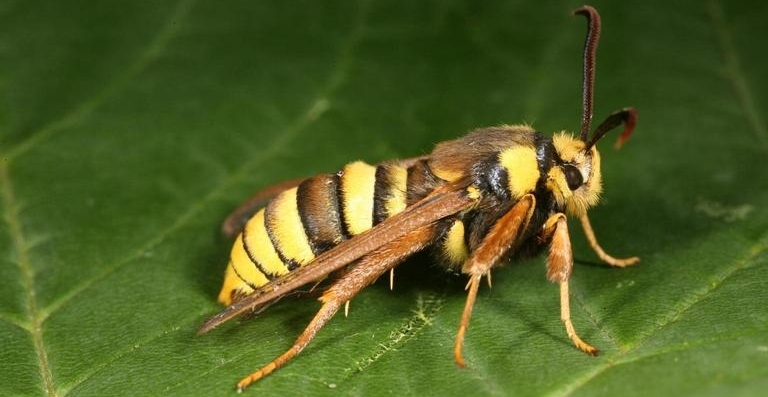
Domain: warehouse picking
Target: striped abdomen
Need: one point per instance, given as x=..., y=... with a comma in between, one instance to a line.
x=304, y=221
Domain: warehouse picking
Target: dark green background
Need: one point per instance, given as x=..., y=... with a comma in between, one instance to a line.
x=128, y=130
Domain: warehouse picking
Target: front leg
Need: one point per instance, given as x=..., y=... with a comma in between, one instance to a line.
x=559, y=268
x=617, y=262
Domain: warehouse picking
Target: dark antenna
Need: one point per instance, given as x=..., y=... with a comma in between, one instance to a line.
x=588, y=81
x=626, y=116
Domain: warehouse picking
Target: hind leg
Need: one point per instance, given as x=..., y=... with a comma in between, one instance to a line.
x=350, y=283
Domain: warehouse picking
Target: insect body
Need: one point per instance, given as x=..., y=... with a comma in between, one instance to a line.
x=497, y=193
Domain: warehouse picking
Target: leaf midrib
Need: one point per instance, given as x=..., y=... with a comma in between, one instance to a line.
x=37, y=316
x=20, y=246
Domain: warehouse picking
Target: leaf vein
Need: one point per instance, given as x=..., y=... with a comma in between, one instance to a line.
x=20, y=246
x=697, y=296
x=594, y=319
x=735, y=74
x=426, y=310
x=716, y=282
x=81, y=111
x=313, y=112
x=118, y=354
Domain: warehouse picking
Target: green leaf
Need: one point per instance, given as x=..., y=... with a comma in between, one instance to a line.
x=128, y=131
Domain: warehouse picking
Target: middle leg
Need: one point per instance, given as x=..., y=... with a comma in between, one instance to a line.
x=502, y=237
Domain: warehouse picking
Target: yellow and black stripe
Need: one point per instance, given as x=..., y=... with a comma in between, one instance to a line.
x=315, y=216
x=304, y=221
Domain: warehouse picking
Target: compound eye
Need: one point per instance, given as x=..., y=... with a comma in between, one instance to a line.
x=572, y=176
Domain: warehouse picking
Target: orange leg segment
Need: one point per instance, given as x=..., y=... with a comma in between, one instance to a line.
x=502, y=237
x=349, y=284
x=590, y=234
x=559, y=268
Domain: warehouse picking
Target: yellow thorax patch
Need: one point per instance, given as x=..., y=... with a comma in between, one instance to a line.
x=522, y=169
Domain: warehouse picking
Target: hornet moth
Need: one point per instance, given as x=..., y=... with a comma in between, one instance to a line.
x=497, y=193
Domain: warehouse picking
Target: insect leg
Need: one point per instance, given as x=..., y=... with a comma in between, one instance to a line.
x=351, y=282
x=504, y=234
x=618, y=262
x=236, y=220
x=559, y=267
